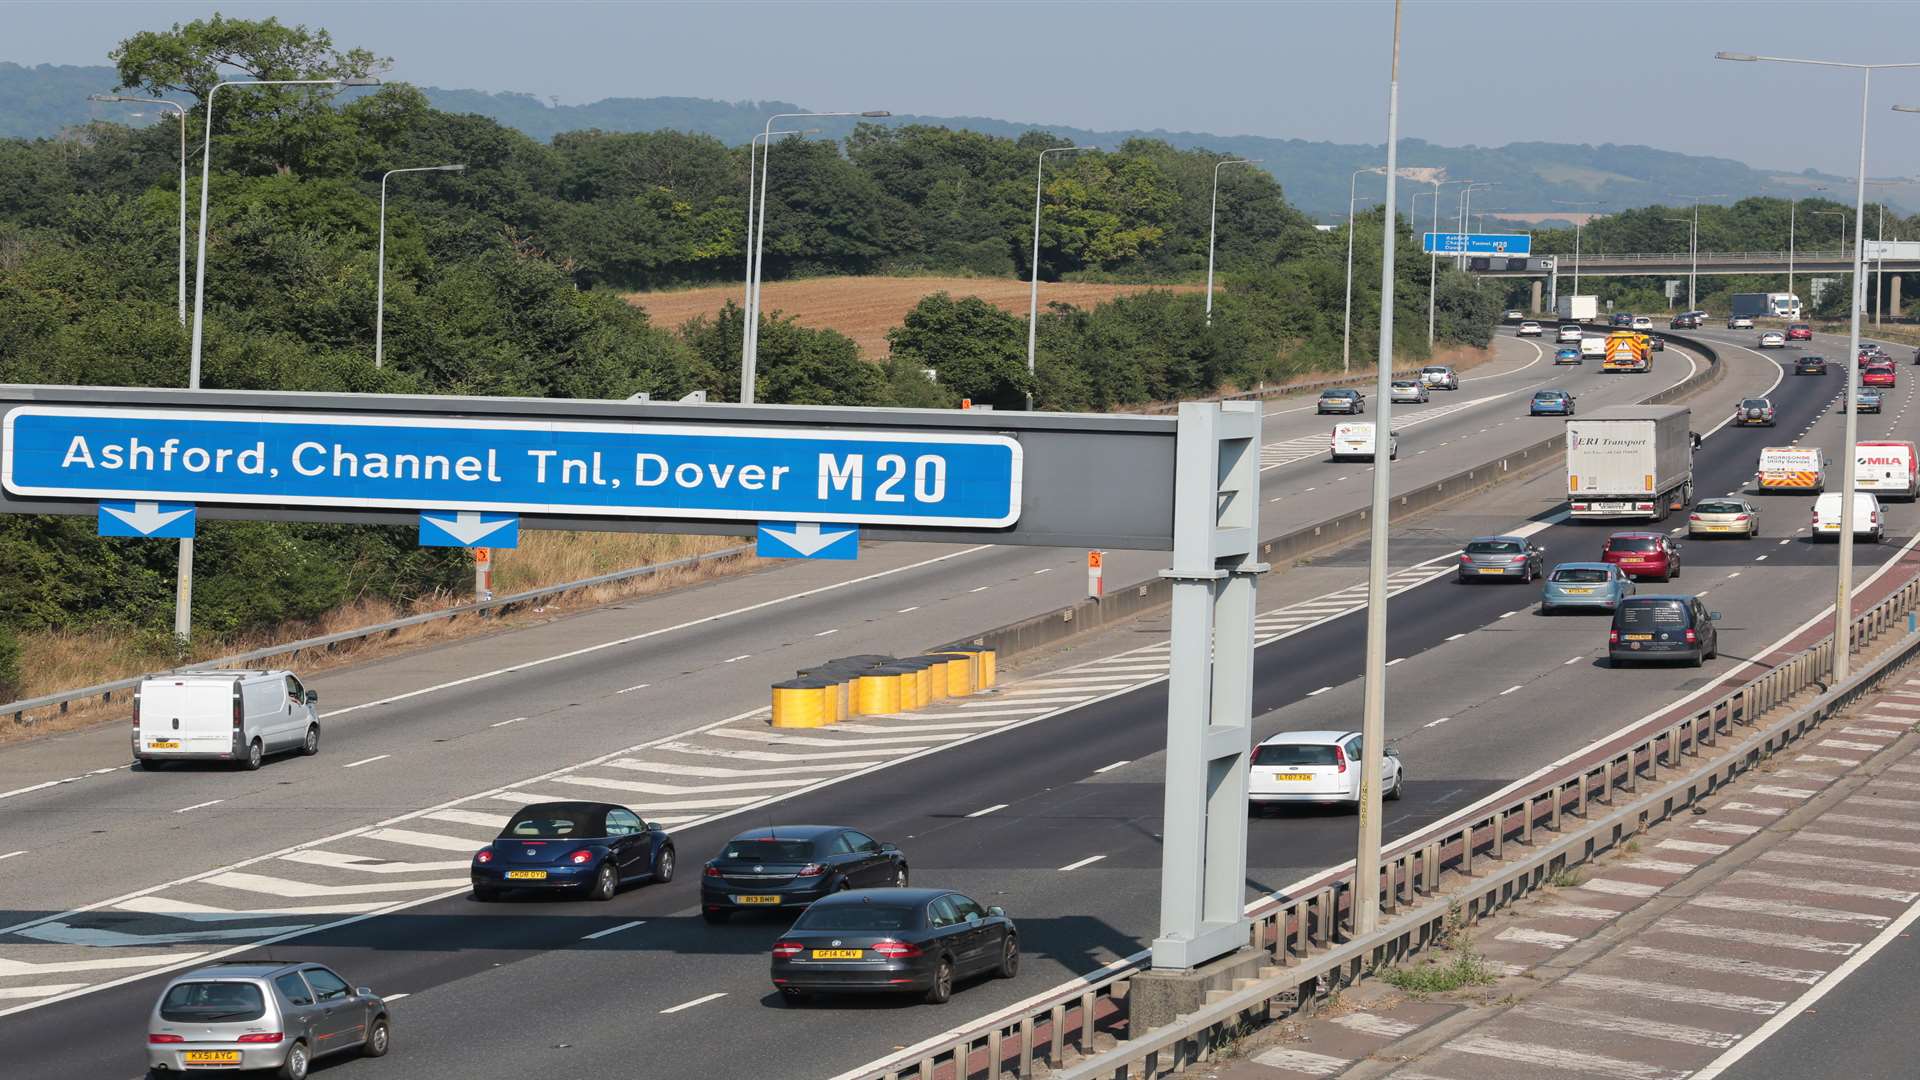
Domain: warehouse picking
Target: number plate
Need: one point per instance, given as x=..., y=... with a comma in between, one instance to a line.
x=756, y=899
x=838, y=954
x=526, y=875
x=163, y=744
x=1492, y=570
x=1578, y=592
x=211, y=1057
x=1639, y=637
x=1292, y=776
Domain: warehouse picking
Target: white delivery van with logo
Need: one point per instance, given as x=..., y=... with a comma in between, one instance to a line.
x=1791, y=468
x=1888, y=468
x=1355, y=441
x=238, y=716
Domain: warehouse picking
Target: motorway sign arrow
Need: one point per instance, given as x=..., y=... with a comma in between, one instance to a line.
x=809, y=540
x=468, y=528
x=151, y=519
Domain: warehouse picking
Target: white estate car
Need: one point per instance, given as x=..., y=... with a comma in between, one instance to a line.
x=1773, y=339
x=1316, y=767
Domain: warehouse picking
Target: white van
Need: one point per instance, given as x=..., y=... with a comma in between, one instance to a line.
x=1791, y=468
x=223, y=716
x=1867, y=520
x=1888, y=468
x=1356, y=441
x=1593, y=347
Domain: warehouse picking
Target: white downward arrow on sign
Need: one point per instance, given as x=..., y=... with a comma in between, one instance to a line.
x=467, y=527
x=807, y=538
x=145, y=517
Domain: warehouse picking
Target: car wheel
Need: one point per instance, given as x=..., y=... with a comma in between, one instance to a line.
x=295, y=1067
x=942, y=989
x=1009, y=959
x=605, y=883
x=256, y=753
x=485, y=894
x=663, y=866
x=312, y=744
x=1399, y=786
x=378, y=1040
x=900, y=877
x=1697, y=660
x=716, y=918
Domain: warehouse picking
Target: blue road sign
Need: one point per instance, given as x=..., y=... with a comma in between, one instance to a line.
x=1450, y=243
x=154, y=519
x=808, y=540
x=614, y=468
x=468, y=528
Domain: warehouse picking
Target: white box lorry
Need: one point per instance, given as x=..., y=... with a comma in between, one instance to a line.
x=1888, y=468
x=1630, y=461
x=1578, y=308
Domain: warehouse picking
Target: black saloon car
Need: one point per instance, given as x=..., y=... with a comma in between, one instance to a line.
x=1662, y=628
x=587, y=847
x=791, y=866
x=1810, y=365
x=918, y=941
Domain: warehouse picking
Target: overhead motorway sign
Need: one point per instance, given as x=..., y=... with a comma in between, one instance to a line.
x=1453, y=243
x=808, y=540
x=150, y=519
x=470, y=529
x=899, y=474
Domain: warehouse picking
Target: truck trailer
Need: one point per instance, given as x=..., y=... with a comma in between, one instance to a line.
x=1578, y=308
x=1630, y=461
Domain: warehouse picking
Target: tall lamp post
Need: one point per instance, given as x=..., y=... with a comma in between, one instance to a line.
x=1793, y=208
x=1346, y=323
x=1688, y=222
x=1213, y=217
x=1693, y=248
x=750, y=330
x=380, y=274
x=1033, y=290
x=180, y=114
x=1578, y=224
x=1466, y=202
x=1433, y=257
x=183, y=585
x=1843, y=584
x=1842, y=215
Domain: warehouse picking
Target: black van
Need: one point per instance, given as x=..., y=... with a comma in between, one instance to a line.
x=1663, y=628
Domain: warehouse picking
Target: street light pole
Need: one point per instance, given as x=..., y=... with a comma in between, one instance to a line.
x=1466, y=204
x=1578, y=224
x=180, y=114
x=1033, y=290
x=1213, y=217
x=1346, y=323
x=1693, y=249
x=380, y=274
x=1433, y=257
x=1373, y=725
x=1843, y=580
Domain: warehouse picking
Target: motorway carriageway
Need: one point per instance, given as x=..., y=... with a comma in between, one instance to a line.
x=1073, y=940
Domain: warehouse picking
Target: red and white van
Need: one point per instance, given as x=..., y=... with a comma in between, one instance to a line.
x=1888, y=468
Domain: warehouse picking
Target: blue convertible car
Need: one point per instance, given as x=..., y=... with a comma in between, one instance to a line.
x=1584, y=584
x=584, y=847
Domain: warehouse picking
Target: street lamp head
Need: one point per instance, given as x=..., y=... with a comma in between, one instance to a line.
x=1906, y=108
x=359, y=81
x=876, y=113
x=117, y=97
x=452, y=168
x=1745, y=58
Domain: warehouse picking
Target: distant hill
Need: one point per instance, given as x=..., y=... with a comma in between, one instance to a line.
x=1532, y=176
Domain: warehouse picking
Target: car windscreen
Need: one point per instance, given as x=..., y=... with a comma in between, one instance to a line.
x=1338, y=394
x=553, y=823
x=1294, y=754
x=1653, y=615
x=1405, y=384
x=1754, y=403
x=773, y=851
x=1586, y=575
x=1720, y=508
x=1548, y=395
x=1433, y=371
x=875, y=917
x=212, y=1002
x=1633, y=543
x=1494, y=547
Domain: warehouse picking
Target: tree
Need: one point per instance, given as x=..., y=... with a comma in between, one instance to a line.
x=978, y=350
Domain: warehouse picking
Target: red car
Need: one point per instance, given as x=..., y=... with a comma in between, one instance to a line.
x=1643, y=555
x=1799, y=332
x=1877, y=374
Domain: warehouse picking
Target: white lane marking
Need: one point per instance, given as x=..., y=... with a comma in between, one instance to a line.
x=1507, y=691
x=1826, y=888
x=1561, y=1058
x=1043, y=570
x=369, y=865
x=394, y=997
x=1628, y=1025
x=737, y=659
x=105, y=963
x=630, y=639
x=1455, y=637
x=1578, y=911
x=1301, y=1061
x=988, y=810
x=16, y=992
x=1785, y=792
x=631, y=689
x=643, y=787
x=695, y=1001
x=1438, y=722
x=1782, y=909
x=366, y=761
x=1035, y=703
x=435, y=841
x=504, y=723
x=1397, y=660
x=825, y=633
x=1735, y=574
x=1747, y=936
x=1088, y=861
x=1852, y=744
x=1677, y=995
x=296, y=890
x=1762, y=558
x=1613, y=887
x=1369, y=1024
x=209, y=913
x=777, y=737
x=904, y=610
x=1572, y=660
x=1722, y=965
x=1695, y=846
x=198, y=805
x=1660, y=866
x=1844, y=840
x=1521, y=935
x=1729, y=828
x=1317, y=693
x=609, y=931
x=1101, y=769
x=1835, y=862
x=11, y=854
x=982, y=588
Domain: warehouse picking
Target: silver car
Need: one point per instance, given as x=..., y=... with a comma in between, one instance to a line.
x=1739, y=322
x=1501, y=557
x=1440, y=377
x=1410, y=390
x=1590, y=584
x=1773, y=339
x=1727, y=516
x=249, y=1015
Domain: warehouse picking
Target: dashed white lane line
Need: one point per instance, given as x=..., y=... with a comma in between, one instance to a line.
x=1396, y=660
x=1735, y=574
x=394, y=997
x=11, y=854
x=631, y=689
x=1787, y=541
x=199, y=805
x=1043, y=570
x=366, y=761
x=1508, y=690
x=1762, y=558
x=610, y=931
x=988, y=810
x=1438, y=722
x=825, y=633
x=904, y=610
x=1088, y=861
x=1101, y=769
x=695, y=1001
x=736, y=659
x=982, y=588
x=1455, y=637
x=1572, y=660
x=504, y=723
x=1317, y=693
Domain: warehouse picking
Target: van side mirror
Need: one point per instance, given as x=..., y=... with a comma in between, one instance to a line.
x=313, y=697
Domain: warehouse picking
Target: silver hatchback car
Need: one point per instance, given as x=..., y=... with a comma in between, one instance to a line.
x=249, y=1015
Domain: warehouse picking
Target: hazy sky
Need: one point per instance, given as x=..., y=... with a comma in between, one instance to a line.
x=1473, y=71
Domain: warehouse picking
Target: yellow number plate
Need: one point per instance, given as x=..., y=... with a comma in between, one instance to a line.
x=211, y=1057
x=838, y=954
x=526, y=875
x=1292, y=776
x=1639, y=637
x=1492, y=570
x=756, y=899
x=1578, y=592
x=163, y=744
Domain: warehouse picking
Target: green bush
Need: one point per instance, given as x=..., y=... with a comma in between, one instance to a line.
x=9, y=666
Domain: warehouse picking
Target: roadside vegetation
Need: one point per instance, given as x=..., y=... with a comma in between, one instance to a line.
x=1452, y=964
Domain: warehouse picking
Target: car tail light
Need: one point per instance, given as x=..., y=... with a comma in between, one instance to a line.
x=484, y=855
x=1518, y=559
x=1691, y=638
x=261, y=1037
x=812, y=869
x=1696, y=517
x=895, y=950
x=581, y=857
x=1466, y=558
x=713, y=871
x=786, y=949
x=136, y=715
x=1340, y=758
x=1613, y=637
x=1742, y=517
x=239, y=710
x=159, y=1038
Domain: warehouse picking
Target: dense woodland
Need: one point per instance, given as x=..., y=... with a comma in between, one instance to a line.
x=507, y=279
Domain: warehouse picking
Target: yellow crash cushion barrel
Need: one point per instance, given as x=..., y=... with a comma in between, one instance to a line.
x=960, y=672
x=878, y=693
x=842, y=672
x=804, y=703
x=984, y=672
x=907, y=679
x=922, y=669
